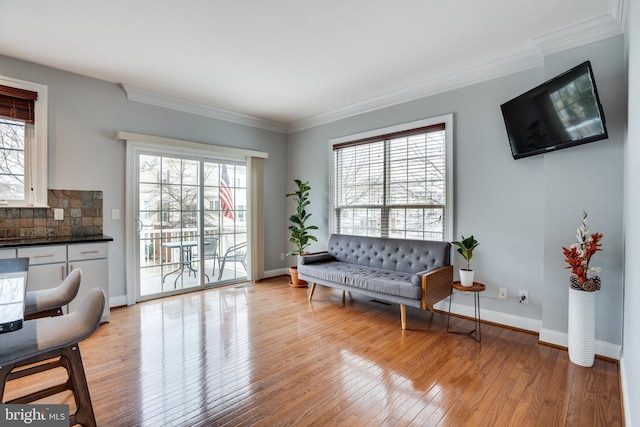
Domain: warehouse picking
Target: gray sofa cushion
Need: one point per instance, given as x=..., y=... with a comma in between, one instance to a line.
x=370, y=278
x=416, y=279
x=406, y=256
x=314, y=258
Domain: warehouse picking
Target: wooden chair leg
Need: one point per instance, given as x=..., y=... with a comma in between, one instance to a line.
x=4, y=377
x=70, y=359
x=84, y=414
x=313, y=288
x=403, y=316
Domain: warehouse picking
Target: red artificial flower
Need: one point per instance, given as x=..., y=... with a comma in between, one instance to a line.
x=579, y=254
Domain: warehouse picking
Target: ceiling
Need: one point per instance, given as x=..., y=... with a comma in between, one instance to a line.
x=290, y=64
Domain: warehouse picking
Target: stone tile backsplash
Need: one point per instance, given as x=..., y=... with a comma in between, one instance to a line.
x=82, y=217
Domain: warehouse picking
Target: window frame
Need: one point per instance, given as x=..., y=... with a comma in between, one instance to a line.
x=35, y=149
x=446, y=119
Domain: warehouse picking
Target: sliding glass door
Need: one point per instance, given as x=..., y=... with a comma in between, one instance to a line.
x=191, y=223
x=225, y=222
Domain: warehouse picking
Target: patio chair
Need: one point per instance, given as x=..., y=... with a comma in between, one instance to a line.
x=236, y=253
x=211, y=252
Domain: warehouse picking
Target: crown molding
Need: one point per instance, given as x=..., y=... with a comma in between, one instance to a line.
x=582, y=33
x=158, y=99
x=478, y=73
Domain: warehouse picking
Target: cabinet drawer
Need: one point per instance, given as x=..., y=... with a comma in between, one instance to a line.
x=7, y=253
x=82, y=251
x=44, y=254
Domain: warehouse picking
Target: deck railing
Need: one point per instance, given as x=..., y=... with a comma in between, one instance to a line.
x=153, y=253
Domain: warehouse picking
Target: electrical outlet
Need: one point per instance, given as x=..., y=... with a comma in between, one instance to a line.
x=523, y=297
x=282, y=256
x=502, y=294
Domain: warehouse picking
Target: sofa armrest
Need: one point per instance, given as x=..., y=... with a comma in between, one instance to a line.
x=436, y=285
x=314, y=258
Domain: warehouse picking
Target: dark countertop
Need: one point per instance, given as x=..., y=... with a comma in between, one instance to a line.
x=14, y=243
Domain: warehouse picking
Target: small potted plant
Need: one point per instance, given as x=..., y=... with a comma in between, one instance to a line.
x=300, y=235
x=465, y=248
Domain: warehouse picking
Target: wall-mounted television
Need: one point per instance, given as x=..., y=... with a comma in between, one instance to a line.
x=562, y=112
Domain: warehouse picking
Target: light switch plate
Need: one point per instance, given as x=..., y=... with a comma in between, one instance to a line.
x=115, y=214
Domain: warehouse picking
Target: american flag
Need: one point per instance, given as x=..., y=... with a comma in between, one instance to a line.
x=226, y=199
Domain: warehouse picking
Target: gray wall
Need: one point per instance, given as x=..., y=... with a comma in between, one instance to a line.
x=588, y=178
x=630, y=364
x=521, y=211
x=84, y=116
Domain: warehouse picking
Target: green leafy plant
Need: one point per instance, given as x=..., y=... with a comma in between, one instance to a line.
x=466, y=247
x=300, y=235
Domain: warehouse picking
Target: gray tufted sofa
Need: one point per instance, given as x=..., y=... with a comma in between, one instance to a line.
x=417, y=273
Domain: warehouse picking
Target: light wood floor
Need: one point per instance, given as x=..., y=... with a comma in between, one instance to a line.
x=261, y=355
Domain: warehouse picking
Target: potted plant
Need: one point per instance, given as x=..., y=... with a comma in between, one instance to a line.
x=300, y=231
x=584, y=284
x=465, y=248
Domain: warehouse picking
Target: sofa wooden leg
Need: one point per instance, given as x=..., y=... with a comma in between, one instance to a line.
x=313, y=288
x=403, y=316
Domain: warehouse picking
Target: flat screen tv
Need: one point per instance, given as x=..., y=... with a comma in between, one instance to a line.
x=562, y=112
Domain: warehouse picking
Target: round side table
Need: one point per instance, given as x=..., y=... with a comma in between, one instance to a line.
x=476, y=288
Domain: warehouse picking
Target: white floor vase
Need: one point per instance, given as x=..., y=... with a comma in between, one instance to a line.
x=582, y=326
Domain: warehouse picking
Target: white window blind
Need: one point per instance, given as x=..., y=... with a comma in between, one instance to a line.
x=392, y=185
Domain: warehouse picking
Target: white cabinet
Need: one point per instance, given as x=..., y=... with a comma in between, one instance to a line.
x=7, y=253
x=45, y=276
x=92, y=259
x=47, y=265
x=50, y=264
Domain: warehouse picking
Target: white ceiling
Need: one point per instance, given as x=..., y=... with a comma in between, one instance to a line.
x=292, y=62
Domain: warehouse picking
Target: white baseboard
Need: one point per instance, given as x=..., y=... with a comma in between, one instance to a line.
x=605, y=349
x=506, y=319
x=626, y=404
x=118, y=301
x=277, y=272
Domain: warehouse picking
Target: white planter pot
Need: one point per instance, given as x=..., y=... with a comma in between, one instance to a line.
x=466, y=278
x=582, y=327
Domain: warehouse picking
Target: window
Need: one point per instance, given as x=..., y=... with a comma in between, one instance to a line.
x=23, y=143
x=12, y=156
x=395, y=182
